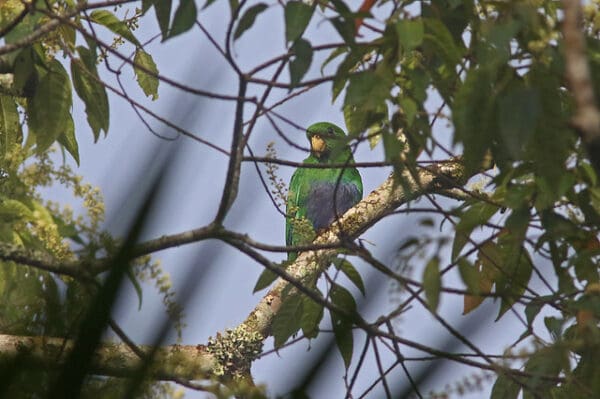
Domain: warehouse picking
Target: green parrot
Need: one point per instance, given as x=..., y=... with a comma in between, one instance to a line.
x=312, y=192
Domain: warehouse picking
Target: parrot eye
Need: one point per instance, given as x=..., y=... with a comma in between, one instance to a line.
x=330, y=130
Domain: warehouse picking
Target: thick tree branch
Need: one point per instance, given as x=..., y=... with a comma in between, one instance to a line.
x=387, y=197
x=170, y=362
x=202, y=362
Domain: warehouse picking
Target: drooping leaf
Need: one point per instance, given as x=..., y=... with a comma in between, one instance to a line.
x=300, y=64
x=184, y=19
x=469, y=275
x=163, y=16
x=514, y=277
x=49, y=110
x=473, y=116
x=518, y=114
x=287, y=320
x=92, y=93
x=248, y=18
x=148, y=82
x=342, y=325
x=264, y=280
x=410, y=33
x=114, y=24
x=476, y=215
x=505, y=388
x=69, y=141
x=350, y=271
x=440, y=37
x=297, y=16
x=312, y=313
x=432, y=283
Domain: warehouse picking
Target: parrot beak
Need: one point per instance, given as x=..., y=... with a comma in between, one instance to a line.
x=317, y=144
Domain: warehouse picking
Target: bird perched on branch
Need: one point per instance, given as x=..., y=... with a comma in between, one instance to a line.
x=318, y=196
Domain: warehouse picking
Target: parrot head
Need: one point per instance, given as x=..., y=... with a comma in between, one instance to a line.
x=328, y=142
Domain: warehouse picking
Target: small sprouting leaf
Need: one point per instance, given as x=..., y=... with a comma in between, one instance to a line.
x=350, y=271
x=69, y=141
x=148, y=82
x=92, y=93
x=49, y=110
x=247, y=20
x=264, y=280
x=287, y=320
x=10, y=127
x=312, y=313
x=432, y=283
x=114, y=24
x=184, y=19
x=410, y=33
x=297, y=16
x=299, y=65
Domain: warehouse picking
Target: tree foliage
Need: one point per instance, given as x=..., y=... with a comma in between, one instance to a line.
x=485, y=110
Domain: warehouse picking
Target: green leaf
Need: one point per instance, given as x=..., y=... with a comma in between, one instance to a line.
x=147, y=82
x=50, y=109
x=438, y=34
x=518, y=113
x=342, y=326
x=312, y=313
x=247, y=20
x=299, y=65
x=432, y=283
x=533, y=308
x=368, y=89
x=287, y=320
x=208, y=3
x=514, y=277
x=410, y=33
x=10, y=127
x=297, y=16
x=476, y=215
x=184, y=19
x=547, y=362
x=162, y=8
x=69, y=141
x=473, y=117
x=350, y=271
x=114, y=24
x=264, y=280
x=470, y=276
x=409, y=109
x=92, y=93
x=505, y=388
